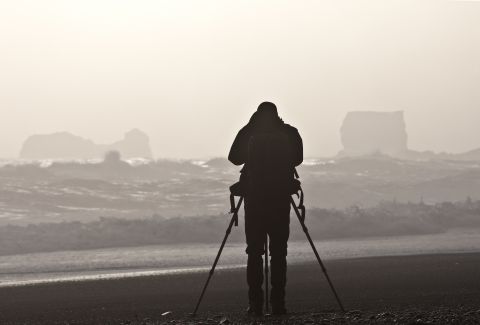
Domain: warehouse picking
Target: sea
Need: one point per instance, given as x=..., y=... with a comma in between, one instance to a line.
x=158, y=260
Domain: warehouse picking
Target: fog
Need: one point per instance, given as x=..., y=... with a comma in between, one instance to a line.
x=116, y=117
x=190, y=73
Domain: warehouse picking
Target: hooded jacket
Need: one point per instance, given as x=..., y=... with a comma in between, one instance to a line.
x=239, y=151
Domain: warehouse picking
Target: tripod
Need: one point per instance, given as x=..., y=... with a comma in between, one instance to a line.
x=300, y=212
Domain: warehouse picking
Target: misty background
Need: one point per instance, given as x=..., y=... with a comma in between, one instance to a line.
x=142, y=100
x=190, y=73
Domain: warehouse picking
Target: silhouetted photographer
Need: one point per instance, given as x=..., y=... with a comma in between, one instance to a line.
x=270, y=150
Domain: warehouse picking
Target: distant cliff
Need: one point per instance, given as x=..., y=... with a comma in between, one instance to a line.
x=64, y=145
x=365, y=133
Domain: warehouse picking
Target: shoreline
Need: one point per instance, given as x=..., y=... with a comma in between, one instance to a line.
x=78, y=276
x=368, y=284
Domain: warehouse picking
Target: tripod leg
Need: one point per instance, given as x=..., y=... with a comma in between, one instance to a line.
x=266, y=273
x=227, y=233
x=305, y=230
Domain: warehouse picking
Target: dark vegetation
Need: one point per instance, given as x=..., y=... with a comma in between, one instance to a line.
x=386, y=219
x=83, y=205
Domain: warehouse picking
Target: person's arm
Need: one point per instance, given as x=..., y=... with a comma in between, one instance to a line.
x=297, y=147
x=239, y=150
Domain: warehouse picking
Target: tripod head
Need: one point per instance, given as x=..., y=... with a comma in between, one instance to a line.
x=300, y=206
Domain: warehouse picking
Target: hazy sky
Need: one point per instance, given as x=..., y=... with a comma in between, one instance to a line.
x=190, y=73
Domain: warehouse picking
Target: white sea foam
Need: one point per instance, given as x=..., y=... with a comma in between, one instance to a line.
x=114, y=263
x=79, y=277
x=44, y=163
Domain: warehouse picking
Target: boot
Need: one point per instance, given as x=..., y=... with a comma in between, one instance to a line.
x=255, y=310
x=255, y=282
x=279, y=281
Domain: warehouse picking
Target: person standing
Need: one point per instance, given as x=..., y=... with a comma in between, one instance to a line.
x=270, y=150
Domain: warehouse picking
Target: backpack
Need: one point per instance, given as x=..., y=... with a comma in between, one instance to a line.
x=269, y=166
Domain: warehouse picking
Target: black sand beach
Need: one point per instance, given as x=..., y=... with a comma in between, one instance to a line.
x=422, y=289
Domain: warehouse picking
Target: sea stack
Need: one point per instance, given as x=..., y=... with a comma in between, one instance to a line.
x=366, y=133
x=64, y=145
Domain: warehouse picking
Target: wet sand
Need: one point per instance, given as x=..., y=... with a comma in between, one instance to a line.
x=425, y=282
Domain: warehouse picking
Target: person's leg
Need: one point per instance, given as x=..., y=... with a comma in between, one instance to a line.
x=255, y=235
x=279, y=281
x=255, y=282
x=279, y=230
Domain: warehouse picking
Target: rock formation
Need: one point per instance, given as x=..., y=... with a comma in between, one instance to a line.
x=365, y=133
x=135, y=144
x=64, y=145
